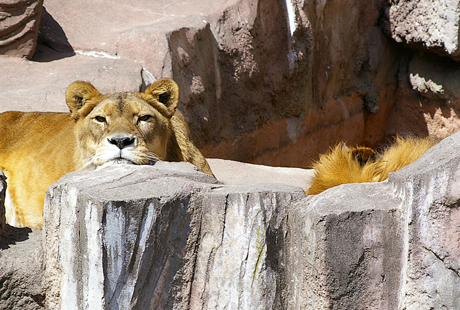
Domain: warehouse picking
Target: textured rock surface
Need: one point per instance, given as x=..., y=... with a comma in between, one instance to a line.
x=239, y=257
x=107, y=248
x=169, y=236
x=130, y=240
x=21, y=269
x=20, y=20
x=345, y=249
x=430, y=192
x=433, y=25
x=2, y=201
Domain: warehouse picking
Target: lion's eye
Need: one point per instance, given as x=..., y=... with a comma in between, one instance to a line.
x=144, y=118
x=100, y=119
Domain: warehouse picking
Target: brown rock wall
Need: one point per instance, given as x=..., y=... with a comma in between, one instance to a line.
x=19, y=22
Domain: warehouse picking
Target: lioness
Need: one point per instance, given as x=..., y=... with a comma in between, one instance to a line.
x=36, y=149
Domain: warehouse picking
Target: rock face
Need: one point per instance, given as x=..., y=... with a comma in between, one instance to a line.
x=428, y=24
x=20, y=20
x=2, y=202
x=346, y=248
x=170, y=237
x=431, y=251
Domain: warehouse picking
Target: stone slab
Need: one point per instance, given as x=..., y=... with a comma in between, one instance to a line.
x=41, y=86
x=345, y=249
x=115, y=237
x=239, y=259
x=233, y=172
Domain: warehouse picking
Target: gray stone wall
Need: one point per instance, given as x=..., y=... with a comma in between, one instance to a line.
x=169, y=237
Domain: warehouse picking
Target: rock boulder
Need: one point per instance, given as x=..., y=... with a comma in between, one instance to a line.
x=170, y=238
x=206, y=245
x=427, y=24
x=20, y=20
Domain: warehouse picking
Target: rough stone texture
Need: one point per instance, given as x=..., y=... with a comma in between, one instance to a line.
x=237, y=261
x=2, y=202
x=19, y=23
x=169, y=236
x=125, y=238
x=21, y=269
x=345, y=249
x=118, y=249
x=428, y=24
x=430, y=192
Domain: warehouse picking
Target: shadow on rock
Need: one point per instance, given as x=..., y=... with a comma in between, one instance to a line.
x=52, y=43
x=11, y=235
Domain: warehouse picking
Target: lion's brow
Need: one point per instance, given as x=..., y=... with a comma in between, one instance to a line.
x=121, y=99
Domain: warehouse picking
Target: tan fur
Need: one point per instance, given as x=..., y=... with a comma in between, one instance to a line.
x=37, y=149
x=357, y=165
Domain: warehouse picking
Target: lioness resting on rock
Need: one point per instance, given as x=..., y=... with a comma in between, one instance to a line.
x=361, y=164
x=37, y=149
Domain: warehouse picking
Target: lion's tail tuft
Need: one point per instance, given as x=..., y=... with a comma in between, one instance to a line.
x=360, y=164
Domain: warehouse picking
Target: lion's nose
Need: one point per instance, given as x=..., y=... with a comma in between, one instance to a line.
x=121, y=141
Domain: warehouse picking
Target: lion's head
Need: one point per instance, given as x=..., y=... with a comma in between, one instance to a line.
x=123, y=127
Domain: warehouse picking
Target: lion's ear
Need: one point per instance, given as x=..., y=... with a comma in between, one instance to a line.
x=166, y=92
x=78, y=95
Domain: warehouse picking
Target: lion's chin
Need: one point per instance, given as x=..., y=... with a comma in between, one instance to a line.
x=125, y=161
x=117, y=161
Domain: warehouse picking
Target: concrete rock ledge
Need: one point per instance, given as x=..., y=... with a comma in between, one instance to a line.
x=170, y=237
x=162, y=237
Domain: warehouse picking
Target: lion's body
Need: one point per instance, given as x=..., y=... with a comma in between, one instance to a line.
x=344, y=164
x=37, y=149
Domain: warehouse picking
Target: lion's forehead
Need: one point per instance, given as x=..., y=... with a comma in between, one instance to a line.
x=122, y=103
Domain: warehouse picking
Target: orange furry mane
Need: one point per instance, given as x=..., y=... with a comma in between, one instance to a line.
x=345, y=164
